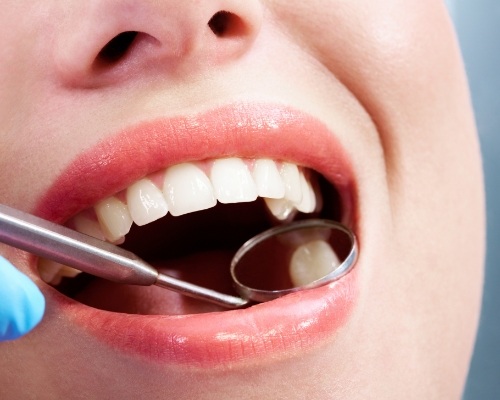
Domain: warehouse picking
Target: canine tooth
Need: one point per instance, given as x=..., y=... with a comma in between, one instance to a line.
x=88, y=226
x=282, y=209
x=145, y=202
x=291, y=177
x=187, y=189
x=312, y=261
x=267, y=179
x=308, y=202
x=232, y=181
x=114, y=218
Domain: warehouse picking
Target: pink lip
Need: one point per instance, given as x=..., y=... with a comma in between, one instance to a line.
x=282, y=326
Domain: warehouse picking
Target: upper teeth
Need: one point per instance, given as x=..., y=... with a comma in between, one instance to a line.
x=190, y=187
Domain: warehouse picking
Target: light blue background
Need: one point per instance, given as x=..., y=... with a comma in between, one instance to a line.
x=478, y=26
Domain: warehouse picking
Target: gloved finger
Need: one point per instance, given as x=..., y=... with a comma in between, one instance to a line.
x=21, y=303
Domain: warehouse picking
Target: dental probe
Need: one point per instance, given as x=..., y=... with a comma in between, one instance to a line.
x=93, y=256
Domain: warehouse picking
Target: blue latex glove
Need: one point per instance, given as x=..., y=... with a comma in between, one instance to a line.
x=21, y=303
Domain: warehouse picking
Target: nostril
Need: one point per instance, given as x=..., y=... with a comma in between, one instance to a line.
x=224, y=23
x=116, y=48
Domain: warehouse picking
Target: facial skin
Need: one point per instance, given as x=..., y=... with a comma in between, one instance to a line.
x=385, y=77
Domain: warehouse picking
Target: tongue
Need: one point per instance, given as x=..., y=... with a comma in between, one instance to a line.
x=208, y=269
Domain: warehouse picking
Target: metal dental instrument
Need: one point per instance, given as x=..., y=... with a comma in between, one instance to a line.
x=270, y=254
x=96, y=257
x=105, y=260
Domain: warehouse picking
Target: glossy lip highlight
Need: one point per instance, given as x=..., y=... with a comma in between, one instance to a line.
x=244, y=130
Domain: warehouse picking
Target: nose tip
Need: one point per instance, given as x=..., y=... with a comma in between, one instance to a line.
x=120, y=38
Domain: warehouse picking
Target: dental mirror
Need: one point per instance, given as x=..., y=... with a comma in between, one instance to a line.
x=289, y=258
x=285, y=259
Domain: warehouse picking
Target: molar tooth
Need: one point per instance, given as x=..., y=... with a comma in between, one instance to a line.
x=267, y=179
x=282, y=209
x=291, y=177
x=145, y=202
x=308, y=202
x=312, y=261
x=88, y=226
x=48, y=269
x=114, y=218
x=187, y=189
x=68, y=272
x=52, y=272
x=232, y=181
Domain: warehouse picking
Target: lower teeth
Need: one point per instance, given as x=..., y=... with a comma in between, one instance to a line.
x=53, y=273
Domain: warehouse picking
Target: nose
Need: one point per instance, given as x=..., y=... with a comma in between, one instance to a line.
x=101, y=41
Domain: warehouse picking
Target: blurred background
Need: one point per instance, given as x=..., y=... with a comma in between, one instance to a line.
x=478, y=27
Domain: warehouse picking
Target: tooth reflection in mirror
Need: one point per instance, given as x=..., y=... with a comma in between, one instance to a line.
x=292, y=257
x=312, y=261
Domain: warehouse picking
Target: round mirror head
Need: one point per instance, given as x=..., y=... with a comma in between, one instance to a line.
x=297, y=256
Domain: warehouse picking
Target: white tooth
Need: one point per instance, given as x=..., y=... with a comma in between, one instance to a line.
x=88, y=226
x=48, y=269
x=52, y=272
x=232, y=181
x=114, y=218
x=312, y=261
x=268, y=180
x=291, y=177
x=187, y=189
x=145, y=202
x=282, y=209
x=308, y=202
x=119, y=241
x=68, y=272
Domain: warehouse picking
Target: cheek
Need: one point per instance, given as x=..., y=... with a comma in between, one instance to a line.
x=411, y=81
x=20, y=103
x=400, y=60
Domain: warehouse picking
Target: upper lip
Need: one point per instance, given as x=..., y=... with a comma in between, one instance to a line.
x=243, y=130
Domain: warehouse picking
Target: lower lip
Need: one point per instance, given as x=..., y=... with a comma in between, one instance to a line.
x=281, y=327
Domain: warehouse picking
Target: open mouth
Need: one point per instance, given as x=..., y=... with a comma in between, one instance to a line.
x=110, y=185
x=188, y=220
